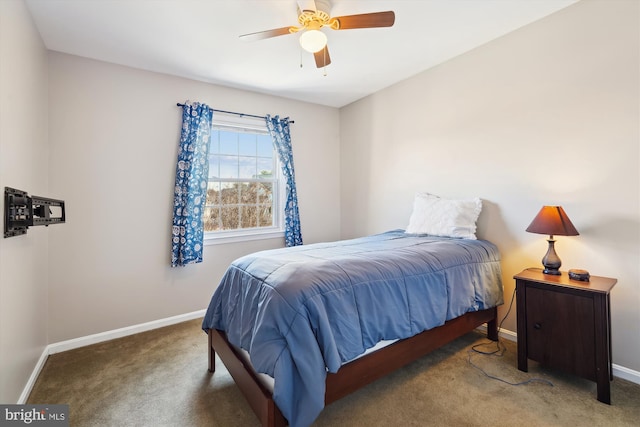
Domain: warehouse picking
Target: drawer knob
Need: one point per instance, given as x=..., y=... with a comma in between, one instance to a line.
x=537, y=326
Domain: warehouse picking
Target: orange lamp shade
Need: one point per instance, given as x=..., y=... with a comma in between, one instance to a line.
x=552, y=220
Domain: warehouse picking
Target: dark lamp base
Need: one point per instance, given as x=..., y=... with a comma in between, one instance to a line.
x=551, y=261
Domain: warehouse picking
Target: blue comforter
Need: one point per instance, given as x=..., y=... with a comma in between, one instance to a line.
x=305, y=310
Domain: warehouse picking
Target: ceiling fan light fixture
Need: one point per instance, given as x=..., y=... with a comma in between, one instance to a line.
x=313, y=40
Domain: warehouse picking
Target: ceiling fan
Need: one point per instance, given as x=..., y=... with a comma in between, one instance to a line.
x=314, y=15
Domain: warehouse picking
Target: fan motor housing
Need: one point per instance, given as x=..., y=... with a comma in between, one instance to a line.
x=313, y=19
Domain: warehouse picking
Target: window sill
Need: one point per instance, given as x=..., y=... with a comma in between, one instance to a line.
x=241, y=236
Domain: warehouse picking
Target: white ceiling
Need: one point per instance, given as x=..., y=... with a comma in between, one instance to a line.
x=198, y=39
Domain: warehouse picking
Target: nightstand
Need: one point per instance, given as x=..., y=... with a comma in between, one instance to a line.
x=566, y=324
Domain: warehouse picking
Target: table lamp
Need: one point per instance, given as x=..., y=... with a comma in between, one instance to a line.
x=552, y=220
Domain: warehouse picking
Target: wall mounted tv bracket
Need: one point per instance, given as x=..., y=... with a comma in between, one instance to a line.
x=22, y=211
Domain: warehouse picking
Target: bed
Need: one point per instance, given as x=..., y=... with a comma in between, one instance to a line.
x=308, y=316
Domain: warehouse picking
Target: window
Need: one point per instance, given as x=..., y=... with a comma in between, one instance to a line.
x=243, y=193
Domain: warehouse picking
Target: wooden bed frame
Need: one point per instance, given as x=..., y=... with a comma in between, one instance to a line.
x=351, y=376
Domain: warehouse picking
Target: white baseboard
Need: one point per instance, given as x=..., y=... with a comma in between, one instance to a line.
x=618, y=371
x=122, y=332
x=101, y=337
x=34, y=376
x=625, y=373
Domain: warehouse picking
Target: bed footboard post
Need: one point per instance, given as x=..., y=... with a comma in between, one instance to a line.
x=492, y=326
x=212, y=354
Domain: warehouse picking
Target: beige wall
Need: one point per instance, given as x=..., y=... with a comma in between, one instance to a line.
x=545, y=115
x=113, y=140
x=23, y=165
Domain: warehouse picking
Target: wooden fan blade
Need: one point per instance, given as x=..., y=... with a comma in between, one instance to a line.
x=322, y=57
x=260, y=35
x=366, y=20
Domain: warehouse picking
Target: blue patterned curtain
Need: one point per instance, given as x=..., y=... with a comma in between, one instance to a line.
x=190, y=191
x=279, y=130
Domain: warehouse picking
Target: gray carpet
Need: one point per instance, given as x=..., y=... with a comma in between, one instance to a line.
x=160, y=378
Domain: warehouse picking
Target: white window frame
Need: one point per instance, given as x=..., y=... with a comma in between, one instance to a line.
x=251, y=125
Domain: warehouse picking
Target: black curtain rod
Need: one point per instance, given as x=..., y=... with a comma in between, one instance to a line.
x=237, y=114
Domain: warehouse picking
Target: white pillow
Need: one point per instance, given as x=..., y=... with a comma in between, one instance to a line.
x=444, y=217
